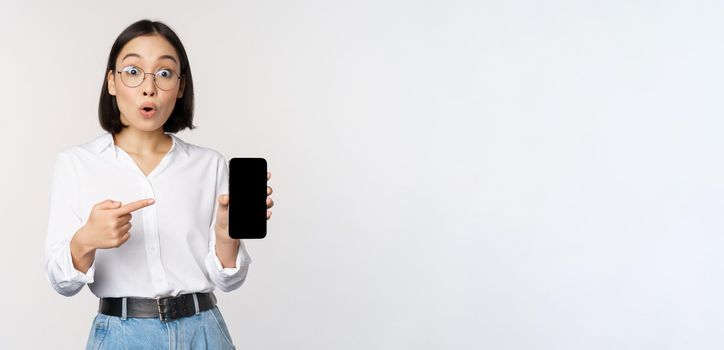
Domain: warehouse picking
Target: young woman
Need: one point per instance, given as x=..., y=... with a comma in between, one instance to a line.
x=141, y=216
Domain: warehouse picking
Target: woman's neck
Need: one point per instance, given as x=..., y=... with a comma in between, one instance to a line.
x=139, y=142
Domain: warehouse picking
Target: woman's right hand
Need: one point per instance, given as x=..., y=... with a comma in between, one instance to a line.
x=109, y=224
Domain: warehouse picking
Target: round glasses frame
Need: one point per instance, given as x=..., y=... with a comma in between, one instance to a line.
x=178, y=77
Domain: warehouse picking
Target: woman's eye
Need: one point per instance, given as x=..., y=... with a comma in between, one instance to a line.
x=131, y=70
x=164, y=73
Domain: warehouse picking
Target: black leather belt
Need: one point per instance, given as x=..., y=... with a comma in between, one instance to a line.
x=165, y=309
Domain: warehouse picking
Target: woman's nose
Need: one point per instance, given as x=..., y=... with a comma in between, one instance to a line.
x=149, y=86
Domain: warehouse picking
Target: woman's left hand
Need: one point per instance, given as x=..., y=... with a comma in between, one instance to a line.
x=222, y=214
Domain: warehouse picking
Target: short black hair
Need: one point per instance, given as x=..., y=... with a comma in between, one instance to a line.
x=183, y=112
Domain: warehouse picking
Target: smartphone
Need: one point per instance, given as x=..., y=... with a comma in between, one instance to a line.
x=247, y=198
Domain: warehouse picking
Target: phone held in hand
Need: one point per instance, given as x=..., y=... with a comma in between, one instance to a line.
x=247, y=198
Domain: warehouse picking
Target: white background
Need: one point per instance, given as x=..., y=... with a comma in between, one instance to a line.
x=446, y=174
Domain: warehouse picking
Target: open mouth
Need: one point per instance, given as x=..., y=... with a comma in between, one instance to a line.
x=148, y=111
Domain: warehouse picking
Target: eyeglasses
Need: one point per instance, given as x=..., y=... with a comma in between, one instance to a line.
x=165, y=79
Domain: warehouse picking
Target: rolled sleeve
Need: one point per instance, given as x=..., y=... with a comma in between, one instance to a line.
x=63, y=275
x=228, y=278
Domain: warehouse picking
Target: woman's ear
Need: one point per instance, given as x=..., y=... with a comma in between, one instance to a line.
x=111, y=83
x=181, y=88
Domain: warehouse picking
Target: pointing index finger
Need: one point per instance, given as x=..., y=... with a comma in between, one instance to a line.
x=131, y=207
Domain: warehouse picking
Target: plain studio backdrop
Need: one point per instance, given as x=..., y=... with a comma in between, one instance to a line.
x=446, y=174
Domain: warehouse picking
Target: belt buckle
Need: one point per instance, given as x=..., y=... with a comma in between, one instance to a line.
x=160, y=313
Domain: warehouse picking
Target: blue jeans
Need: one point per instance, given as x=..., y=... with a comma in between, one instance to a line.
x=205, y=330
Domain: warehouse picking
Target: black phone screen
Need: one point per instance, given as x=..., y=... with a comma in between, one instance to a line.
x=247, y=198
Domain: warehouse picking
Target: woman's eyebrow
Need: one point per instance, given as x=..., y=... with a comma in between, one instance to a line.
x=169, y=57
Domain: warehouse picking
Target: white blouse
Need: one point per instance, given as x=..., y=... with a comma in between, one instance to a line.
x=172, y=247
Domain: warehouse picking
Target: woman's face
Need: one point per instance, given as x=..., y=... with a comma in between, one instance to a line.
x=152, y=54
